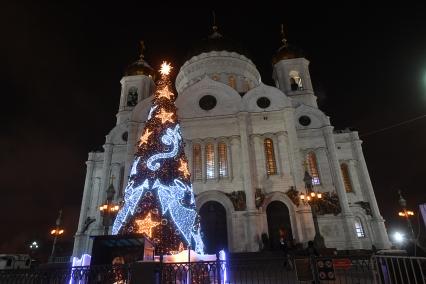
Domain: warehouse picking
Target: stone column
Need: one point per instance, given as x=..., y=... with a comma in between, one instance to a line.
x=229, y=159
x=85, y=206
x=281, y=146
x=235, y=154
x=189, y=153
x=296, y=168
x=106, y=168
x=378, y=224
x=259, y=158
x=131, y=145
x=348, y=218
x=203, y=161
x=216, y=160
x=248, y=183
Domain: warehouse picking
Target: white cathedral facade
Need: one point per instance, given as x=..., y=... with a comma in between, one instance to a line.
x=249, y=146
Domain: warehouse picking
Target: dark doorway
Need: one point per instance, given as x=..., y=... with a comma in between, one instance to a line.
x=213, y=227
x=278, y=218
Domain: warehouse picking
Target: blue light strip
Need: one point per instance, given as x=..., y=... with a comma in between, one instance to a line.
x=172, y=137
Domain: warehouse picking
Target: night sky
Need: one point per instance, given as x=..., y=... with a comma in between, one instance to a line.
x=61, y=66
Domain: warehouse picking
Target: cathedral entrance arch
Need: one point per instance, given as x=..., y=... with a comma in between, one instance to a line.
x=278, y=217
x=214, y=227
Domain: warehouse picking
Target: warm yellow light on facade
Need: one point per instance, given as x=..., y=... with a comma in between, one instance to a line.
x=319, y=195
x=411, y=213
x=313, y=194
x=52, y=232
x=302, y=196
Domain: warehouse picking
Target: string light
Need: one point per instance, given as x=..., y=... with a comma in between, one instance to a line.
x=165, y=116
x=146, y=225
x=131, y=199
x=184, y=168
x=133, y=171
x=145, y=136
x=172, y=137
x=151, y=111
x=170, y=197
x=165, y=93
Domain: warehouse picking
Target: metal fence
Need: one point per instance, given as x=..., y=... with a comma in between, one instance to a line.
x=300, y=269
x=401, y=269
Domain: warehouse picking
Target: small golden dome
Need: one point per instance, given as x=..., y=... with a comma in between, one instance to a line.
x=285, y=51
x=140, y=66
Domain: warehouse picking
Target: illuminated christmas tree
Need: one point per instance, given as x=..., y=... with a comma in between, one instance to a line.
x=158, y=199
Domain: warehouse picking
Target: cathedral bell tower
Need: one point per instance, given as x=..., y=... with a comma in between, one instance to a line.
x=136, y=85
x=291, y=74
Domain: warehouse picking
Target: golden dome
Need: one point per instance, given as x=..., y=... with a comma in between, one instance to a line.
x=140, y=66
x=286, y=51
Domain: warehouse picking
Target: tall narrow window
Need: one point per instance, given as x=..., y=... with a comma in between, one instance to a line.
x=210, y=161
x=313, y=168
x=346, y=178
x=196, y=162
x=232, y=82
x=271, y=166
x=223, y=160
x=359, y=229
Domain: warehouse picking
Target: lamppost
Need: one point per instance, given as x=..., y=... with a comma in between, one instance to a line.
x=109, y=210
x=56, y=233
x=313, y=198
x=407, y=214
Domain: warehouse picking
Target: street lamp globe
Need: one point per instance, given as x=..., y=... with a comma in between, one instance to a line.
x=398, y=237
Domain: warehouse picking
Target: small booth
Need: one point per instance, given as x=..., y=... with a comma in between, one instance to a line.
x=121, y=249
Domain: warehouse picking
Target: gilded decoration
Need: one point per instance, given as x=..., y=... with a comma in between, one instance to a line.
x=293, y=194
x=238, y=199
x=259, y=197
x=366, y=206
x=329, y=204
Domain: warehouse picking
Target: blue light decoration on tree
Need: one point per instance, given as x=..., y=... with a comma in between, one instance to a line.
x=158, y=199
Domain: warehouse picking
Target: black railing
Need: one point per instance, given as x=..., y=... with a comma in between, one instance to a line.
x=242, y=270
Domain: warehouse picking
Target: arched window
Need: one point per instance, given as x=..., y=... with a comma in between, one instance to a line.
x=210, y=161
x=232, y=82
x=346, y=178
x=313, y=168
x=196, y=162
x=271, y=166
x=295, y=81
x=359, y=229
x=223, y=160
